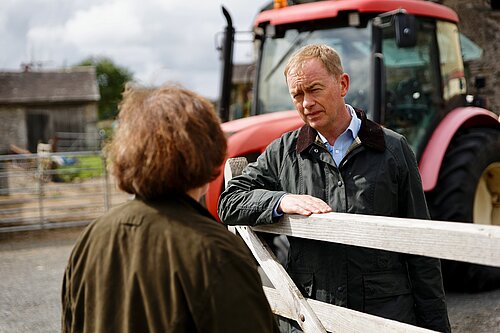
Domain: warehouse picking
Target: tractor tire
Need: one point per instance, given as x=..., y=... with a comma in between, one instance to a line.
x=468, y=191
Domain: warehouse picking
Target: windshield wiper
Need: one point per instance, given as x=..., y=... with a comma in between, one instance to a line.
x=299, y=40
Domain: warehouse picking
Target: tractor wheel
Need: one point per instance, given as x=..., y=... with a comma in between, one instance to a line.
x=468, y=190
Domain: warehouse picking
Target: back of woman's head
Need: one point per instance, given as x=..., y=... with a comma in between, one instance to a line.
x=168, y=140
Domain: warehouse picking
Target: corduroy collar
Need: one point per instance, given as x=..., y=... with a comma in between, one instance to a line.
x=179, y=199
x=370, y=134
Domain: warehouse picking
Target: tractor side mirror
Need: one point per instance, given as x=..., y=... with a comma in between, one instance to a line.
x=405, y=29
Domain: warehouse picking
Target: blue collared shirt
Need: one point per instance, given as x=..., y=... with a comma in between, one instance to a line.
x=344, y=141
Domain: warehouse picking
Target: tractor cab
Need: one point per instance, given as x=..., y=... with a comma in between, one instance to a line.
x=405, y=81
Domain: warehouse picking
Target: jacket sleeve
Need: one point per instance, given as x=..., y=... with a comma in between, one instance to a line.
x=424, y=272
x=428, y=293
x=66, y=313
x=412, y=203
x=251, y=197
x=239, y=303
x=235, y=300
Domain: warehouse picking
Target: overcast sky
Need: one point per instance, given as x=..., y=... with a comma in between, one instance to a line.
x=158, y=40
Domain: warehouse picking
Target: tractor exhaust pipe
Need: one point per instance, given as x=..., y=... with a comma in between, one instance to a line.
x=227, y=68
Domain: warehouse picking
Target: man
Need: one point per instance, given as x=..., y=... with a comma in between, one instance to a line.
x=160, y=262
x=340, y=161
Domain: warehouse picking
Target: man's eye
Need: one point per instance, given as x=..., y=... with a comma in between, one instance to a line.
x=297, y=95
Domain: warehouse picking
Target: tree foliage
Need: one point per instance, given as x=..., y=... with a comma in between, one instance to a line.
x=111, y=79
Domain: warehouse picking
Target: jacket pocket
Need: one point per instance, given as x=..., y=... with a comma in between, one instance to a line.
x=304, y=281
x=389, y=295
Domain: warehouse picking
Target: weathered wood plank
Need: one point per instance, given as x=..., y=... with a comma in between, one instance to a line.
x=294, y=302
x=448, y=240
x=342, y=320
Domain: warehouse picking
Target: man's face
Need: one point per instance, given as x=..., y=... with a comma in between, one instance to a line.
x=317, y=95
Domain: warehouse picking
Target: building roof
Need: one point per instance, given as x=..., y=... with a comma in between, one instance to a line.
x=49, y=86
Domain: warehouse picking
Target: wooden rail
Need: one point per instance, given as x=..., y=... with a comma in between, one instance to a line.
x=448, y=240
x=467, y=242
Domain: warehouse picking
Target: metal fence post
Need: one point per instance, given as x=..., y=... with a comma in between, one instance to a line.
x=44, y=161
x=106, y=183
x=4, y=178
x=40, y=173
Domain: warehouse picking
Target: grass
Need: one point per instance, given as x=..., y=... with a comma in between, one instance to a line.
x=85, y=167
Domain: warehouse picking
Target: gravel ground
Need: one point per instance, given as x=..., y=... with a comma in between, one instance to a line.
x=31, y=270
x=32, y=266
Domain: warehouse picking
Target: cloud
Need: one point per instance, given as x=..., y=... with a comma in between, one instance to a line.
x=158, y=40
x=111, y=24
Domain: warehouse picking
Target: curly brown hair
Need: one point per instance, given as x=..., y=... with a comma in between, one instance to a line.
x=168, y=140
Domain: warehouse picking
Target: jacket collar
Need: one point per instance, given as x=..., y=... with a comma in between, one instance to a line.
x=178, y=199
x=370, y=134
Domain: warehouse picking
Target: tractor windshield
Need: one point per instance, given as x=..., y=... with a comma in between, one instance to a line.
x=353, y=45
x=421, y=83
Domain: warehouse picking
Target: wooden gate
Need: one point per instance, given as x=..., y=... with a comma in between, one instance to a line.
x=447, y=240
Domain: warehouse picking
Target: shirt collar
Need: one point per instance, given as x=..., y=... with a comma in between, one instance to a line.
x=370, y=133
x=353, y=127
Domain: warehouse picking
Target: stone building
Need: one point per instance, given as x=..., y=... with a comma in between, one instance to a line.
x=37, y=105
x=480, y=22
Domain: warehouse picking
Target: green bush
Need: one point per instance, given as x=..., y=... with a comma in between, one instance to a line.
x=86, y=167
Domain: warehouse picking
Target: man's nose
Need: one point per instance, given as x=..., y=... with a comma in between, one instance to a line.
x=308, y=101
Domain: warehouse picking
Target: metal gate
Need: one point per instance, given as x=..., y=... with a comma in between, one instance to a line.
x=53, y=190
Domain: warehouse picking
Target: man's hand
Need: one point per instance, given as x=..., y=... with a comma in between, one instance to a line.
x=302, y=204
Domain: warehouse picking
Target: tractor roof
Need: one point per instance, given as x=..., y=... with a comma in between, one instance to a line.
x=327, y=9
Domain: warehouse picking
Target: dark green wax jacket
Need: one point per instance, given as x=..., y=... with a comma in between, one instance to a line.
x=162, y=266
x=378, y=176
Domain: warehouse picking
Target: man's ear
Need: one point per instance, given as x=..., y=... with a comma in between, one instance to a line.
x=344, y=84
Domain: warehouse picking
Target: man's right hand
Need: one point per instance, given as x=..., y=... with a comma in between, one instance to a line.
x=303, y=205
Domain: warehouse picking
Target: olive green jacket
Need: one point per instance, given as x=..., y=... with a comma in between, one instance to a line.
x=378, y=176
x=162, y=266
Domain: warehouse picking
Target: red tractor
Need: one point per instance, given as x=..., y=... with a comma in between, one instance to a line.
x=405, y=63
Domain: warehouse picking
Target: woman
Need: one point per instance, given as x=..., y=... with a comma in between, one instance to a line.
x=160, y=262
